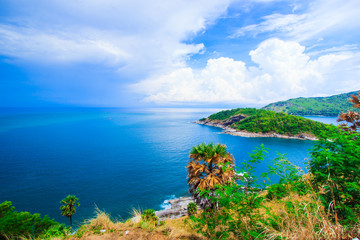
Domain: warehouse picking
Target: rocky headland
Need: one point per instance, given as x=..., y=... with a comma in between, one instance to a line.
x=229, y=130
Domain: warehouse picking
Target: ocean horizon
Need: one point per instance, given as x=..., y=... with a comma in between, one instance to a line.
x=114, y=159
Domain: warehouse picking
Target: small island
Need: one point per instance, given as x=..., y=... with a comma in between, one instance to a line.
x=252, y=122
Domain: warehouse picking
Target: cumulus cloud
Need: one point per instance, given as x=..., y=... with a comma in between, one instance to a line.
x=283, y=70
x=321, y=18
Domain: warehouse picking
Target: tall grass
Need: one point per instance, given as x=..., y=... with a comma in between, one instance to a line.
x=100, y=223
x=299, y=217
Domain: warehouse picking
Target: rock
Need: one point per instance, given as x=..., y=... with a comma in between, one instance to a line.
x=178, y=209
x=233, y=119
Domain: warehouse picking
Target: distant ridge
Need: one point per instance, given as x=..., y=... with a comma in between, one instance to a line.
x=324, y=106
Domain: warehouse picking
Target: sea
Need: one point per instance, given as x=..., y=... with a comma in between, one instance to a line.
x=113, y=159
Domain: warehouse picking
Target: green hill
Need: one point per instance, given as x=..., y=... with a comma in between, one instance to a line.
x=325, y=106
x=264, y=121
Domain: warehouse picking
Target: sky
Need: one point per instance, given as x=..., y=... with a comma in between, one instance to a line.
x=160, y=53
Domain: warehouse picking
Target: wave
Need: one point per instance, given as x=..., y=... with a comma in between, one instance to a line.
x=166, y=205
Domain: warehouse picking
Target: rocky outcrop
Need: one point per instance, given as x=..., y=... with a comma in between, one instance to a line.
x=178, y=209
x=233, y=119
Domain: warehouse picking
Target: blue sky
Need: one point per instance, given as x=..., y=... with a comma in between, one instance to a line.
x=176, y=53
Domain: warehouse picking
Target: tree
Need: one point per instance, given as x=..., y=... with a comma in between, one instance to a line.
x=69, y=206
x=209, y=165
x=351, y=117
x=335, y=168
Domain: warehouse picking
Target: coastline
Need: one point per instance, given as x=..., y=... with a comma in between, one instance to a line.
x=234, y=132
x=177, y=209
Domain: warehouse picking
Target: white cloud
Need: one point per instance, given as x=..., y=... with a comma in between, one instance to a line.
x=284, y=71
x=322, y=18
x=136, y=35
x=275, y=22
x=35, y=45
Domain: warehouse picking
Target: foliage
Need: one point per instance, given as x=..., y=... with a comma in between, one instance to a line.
x=149, y=220
x=290, y=179
x=229, y=113
x=149, y=216
x=290, y=210
x=335, y=167
x=55, y=231
x=264, y=121
x=281, y=123
x=15, y=224
x=68, y=207
x=325, y=106
x=238, y=205
x=191, y=208
x=210, y=165
x=351, y=117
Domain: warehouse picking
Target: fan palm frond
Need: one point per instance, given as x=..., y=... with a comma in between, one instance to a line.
x=209, y=165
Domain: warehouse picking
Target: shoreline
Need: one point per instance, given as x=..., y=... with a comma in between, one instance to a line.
x=178, y=209
x=234, y=132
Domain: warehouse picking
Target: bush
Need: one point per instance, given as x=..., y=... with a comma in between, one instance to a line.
x=149, y=216
x=56, y=231
x=24, y=224
x=191, y=208
x=335, y=167
x=290, y=179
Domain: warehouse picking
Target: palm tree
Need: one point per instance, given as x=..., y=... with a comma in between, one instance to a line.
x=210, y=165
x=69, y=206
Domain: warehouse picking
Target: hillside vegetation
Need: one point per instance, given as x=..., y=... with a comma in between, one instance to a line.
x=265, y=121
x=325, y=106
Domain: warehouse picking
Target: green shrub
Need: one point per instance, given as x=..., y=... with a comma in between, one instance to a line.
x=56, y=231
x=335, y=167
x=290, y=179
x=191, y=208
x=24, y=224
x=80, y=232
x=276, y=191
x=149, y=216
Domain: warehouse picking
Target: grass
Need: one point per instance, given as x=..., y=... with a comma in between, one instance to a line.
x=134, y=228
x=136, y=214
x=299, y=217
x=292, y=217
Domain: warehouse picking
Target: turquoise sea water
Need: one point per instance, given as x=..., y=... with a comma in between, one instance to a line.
x=115, y=159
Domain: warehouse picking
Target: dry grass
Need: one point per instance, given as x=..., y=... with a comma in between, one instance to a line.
x=171, y=229
x=178, y=229
x=305, y=219
x=102, y=221
x=136, y=214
